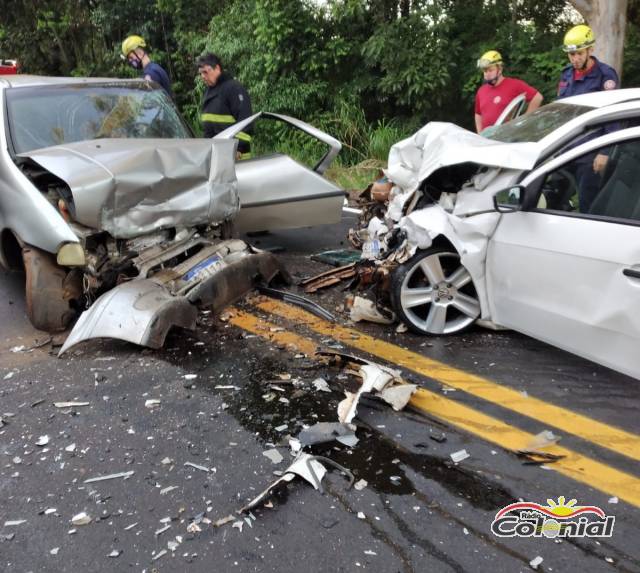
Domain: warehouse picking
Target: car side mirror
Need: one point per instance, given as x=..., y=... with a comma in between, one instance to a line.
x=509, y=200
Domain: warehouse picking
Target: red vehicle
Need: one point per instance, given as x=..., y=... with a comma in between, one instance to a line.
x=8, y=67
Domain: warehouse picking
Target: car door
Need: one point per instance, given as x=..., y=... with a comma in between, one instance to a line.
x=278, y=192
x=566, y=268
x=515, y=109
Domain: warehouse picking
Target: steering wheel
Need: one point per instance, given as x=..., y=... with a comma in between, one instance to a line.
x=558, y=189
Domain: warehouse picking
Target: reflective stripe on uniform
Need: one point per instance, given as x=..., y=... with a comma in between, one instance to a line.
x=245, y=156
x=217, y=118
x=242, y=136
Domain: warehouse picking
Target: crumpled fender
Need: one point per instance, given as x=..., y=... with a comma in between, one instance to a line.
x=469, y=236
x=140, y=311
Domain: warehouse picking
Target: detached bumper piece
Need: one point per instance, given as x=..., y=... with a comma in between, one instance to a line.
x=142, y=311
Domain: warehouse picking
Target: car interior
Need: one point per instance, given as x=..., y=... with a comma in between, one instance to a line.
x=618, y=188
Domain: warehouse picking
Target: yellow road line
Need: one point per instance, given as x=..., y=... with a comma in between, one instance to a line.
x=599, y=433
x=575, y=466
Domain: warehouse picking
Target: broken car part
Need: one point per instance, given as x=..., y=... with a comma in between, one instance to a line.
x=307, y=467
x=380, y=381
x=277, y=192
x=324, y=432
x=365, y=309
x=328, y=278
x=341, y=258
x=535, y=457
x=298, y=300
x=132, y=188
x=142, y=311
x=123, y=475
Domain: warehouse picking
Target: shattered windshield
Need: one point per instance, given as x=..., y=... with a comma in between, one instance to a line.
x=53, y=115
x=536, y=125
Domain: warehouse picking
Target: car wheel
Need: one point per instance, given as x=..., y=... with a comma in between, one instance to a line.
x=433, y=293
x=51, y=291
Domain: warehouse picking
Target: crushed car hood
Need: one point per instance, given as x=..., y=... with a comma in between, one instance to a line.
x=130, y=187
x=440, y=144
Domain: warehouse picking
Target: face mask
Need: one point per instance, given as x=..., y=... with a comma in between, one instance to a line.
x=136, y=64
x=492, y=82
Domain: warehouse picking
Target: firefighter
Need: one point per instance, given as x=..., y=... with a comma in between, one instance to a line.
x=585, y=73
x=134, y=51
x=225, y=102
x=497, y=91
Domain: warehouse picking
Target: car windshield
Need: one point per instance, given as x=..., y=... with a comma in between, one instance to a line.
x=534, y=126
x=53, y=115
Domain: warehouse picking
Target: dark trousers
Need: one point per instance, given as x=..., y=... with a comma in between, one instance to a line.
x=588, y=182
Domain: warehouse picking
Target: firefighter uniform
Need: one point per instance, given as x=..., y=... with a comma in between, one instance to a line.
x=598, y=78
x=226, y=103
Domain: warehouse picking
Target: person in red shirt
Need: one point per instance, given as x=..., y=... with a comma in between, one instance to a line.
x=497, y=91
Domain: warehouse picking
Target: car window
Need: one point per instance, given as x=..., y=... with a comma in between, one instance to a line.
x=45, y=116
x=536, y=125
x=604, y=182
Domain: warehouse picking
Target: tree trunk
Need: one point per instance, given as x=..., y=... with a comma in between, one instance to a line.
x=608, y=20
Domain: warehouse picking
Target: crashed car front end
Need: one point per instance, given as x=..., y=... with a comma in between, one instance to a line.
x=132, y=231
x=441, y=186
x=150, y=216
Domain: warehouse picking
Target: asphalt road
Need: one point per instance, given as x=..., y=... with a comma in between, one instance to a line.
x=223, y=402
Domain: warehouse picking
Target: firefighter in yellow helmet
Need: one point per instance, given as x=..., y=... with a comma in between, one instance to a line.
x=135, y=52
x=585, y=73
x=497, y=91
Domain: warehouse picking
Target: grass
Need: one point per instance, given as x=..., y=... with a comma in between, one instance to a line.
x=355, y=177
x=365, y=146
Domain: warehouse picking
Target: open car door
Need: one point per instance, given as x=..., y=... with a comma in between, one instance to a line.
x=515, y=108
x=277, y=192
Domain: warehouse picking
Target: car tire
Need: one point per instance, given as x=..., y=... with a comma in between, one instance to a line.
x=433, y=293
x=51, y=292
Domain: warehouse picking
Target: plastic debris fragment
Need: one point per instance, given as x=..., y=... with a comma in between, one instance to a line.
x=82, y=518
x=123, y=475
x=459, y=456
x=274, y=455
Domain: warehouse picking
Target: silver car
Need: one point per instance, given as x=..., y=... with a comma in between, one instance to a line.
x=111, y=205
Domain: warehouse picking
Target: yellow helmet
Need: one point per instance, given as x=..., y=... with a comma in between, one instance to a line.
x=578, y=38
x=490, y=58
x=131, y=43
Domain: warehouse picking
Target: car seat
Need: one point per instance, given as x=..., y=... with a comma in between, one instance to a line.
x=620, y=196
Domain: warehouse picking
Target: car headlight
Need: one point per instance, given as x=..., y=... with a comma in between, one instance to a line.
x=71, y=255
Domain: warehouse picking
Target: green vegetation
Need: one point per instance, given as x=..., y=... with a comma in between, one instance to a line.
x=367, y=71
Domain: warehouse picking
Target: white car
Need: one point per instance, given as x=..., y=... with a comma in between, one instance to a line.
x=516, y=229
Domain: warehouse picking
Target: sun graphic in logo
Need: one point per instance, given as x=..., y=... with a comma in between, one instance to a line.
x=562, y=508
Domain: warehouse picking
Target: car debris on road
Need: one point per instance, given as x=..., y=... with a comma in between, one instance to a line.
x=120, y=475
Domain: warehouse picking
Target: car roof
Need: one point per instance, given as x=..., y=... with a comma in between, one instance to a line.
x=603, y=98
x=24, y=80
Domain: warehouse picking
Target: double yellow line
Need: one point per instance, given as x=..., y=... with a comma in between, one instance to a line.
x=574, y=465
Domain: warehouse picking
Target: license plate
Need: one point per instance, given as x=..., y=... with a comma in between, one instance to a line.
x=204, y=268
